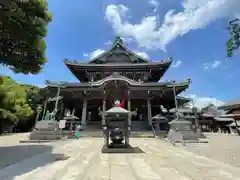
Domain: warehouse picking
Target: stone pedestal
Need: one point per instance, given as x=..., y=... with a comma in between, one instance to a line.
x=199, y=133
x=181, y=131
x=45, y=130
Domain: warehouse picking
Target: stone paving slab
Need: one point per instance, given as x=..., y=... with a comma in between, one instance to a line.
x=13, y=139
x=221, y=147
x=161, y=161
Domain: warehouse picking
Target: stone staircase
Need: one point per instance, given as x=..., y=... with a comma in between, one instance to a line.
x=45, y=135
x=92, y=133
x=91, y=130
x=99, y=134
x=142, y=134
x=85, y=133
x=138, y=126
x=161, y=134
x=95, y=130
x=94, y=126
x=138, y=131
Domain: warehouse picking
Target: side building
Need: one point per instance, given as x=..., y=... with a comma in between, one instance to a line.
x=232, y=110
x=119, y=74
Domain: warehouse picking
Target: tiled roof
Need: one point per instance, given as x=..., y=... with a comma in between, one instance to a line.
x=230, y=105
x=118, y=77
x=223, y=119
x=233, y=124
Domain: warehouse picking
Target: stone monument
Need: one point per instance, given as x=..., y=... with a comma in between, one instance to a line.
x=70, y=118
x=47, y=128
x=181, y=130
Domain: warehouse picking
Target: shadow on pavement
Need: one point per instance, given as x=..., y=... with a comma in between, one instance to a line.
x=20, y=159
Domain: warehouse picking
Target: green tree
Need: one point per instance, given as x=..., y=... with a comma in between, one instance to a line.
x=13, y=102
x=23, y=26
x=234, y=41
x=34, y=96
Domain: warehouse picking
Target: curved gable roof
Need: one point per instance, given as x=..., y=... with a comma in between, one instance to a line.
x=118, y=43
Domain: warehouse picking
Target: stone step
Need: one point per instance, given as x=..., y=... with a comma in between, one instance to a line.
x=45, y=135
x=91, y=134
x=134, y=134
x=37, y=141
x=137, y=126
x=49, y=135
x=85, y=133
x=142, y=134
x=161, y=134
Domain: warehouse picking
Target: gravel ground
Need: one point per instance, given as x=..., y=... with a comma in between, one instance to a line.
x=221, y=147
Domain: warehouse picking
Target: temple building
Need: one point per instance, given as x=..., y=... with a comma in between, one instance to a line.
x=119, y=76
x=232, y=112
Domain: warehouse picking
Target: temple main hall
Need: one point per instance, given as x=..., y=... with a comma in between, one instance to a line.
x=119, y=75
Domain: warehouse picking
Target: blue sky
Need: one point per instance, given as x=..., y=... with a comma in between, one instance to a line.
x=193, y=32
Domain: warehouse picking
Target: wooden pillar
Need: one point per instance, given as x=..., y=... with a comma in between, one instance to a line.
x=84, y=112
x=44, y=109
x=129, y=121
x=89, y=117
x=103, y=112
x=237, y=129
x=104, y=109
x=129, y=109
x=149, y=109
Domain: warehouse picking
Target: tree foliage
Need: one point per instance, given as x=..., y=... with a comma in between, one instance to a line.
x=234, y=41
x=33, y=94
x=13, y=102
x=23, y=26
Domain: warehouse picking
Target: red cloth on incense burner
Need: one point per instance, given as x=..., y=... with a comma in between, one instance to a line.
x=122, y=104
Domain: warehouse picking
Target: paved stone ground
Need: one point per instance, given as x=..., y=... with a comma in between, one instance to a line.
x=11, y=151
x=161, y=161
x=10, y=139
x=221, y=147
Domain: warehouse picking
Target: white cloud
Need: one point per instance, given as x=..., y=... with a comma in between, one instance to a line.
x=39, y=85
x=126, y=40
x=142, y=54
x=85, y=54
x=205, y=66
x=216, y=64
x=109, y=42
x=96, y=53
x=201, y=102
x=238, y=15
x=176, y=64
x=212, y=65
x=150, y=34
x=155, y=4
